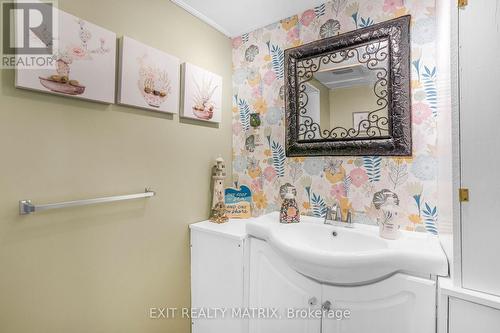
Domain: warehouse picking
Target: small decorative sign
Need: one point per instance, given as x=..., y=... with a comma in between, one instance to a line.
x=238, y=202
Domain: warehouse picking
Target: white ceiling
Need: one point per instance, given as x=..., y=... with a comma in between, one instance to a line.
x=236, y=17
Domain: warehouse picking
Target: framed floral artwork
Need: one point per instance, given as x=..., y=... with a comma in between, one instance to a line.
x=84, y=62
x=148, y=78
x=202, y=94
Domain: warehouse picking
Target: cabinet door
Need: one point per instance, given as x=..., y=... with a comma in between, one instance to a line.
x=466, y=317
x=273, y=284
x=216, y=280
x=400, y=304
x=479, y=140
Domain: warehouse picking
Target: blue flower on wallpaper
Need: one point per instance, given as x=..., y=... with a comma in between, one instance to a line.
x=240, y=163
x=314, y=166
x=425, y=167
x=424, y=31
x=273, y=116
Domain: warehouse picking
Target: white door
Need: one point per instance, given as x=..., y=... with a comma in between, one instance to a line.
x=274, y=285
x=313, y=103
x=479, y=59
x=400, y=304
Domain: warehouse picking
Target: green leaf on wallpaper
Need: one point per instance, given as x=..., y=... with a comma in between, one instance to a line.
x=338, y=6
x=429, y=78
x=279, y=158
x=372, y=166
x=320, y=10
x=318, y=205
x=366, y=22
x=398, y=173
x=347, y=184
x=430, y=218
x=416, y=64
x=278, y=61
x=244, y=114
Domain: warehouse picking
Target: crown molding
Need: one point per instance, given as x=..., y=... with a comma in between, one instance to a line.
x=202, y=17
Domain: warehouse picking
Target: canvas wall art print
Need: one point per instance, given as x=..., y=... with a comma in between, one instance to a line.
x=149, y=78
x=84, y=62
x=202, y=94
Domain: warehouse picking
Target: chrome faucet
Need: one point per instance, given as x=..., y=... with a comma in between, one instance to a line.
x=333, y=216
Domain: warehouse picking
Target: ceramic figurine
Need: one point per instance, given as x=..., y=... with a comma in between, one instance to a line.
x=289, y=209
x=387, y=204
x=218, y=214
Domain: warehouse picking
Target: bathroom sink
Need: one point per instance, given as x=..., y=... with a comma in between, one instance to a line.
x=345, y=256
x=320, y=238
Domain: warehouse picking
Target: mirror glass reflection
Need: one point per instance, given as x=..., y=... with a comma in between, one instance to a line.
x=344, y=95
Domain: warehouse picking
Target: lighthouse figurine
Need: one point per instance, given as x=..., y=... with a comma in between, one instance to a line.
x=218, y=214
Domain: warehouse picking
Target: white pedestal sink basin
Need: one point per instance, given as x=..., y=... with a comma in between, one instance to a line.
x=343, y=256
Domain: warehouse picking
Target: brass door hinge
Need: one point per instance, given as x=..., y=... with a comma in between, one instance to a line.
x=463, y=3
x=463, y=194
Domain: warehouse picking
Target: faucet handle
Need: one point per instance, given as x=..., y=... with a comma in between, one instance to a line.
x=338, y=213
x=327, y=212
x=328, y=215
x=349, y=218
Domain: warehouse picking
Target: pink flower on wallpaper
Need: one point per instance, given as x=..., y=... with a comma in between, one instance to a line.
x=292, y=35
x=256, y=92
x=256, y=185
x=269, y=173
x=420, y=112
x=307, y=17
x=338, y=191
x=358, y=177
x=237, y=42
x=269, y=77
x=392, y=5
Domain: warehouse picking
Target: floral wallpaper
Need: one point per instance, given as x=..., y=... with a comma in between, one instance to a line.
x=259, y=159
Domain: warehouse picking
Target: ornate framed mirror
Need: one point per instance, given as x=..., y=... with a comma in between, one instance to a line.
x=350, y=94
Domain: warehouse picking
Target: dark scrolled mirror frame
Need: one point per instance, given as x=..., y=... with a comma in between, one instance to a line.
x=398, y=142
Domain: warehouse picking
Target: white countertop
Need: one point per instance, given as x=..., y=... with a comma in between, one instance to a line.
x=234, y=228
x=355, y=254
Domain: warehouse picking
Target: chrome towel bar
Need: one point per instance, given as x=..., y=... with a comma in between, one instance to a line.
x=27, y=207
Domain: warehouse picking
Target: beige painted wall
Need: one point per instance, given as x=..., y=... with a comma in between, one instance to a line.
x=100, y=268
x=345, y=101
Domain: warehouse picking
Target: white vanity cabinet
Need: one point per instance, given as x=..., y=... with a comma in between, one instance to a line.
x=399, y=304
x=273, y=284
x=232, y=270
x=217, y=275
